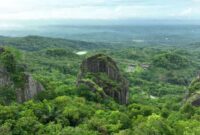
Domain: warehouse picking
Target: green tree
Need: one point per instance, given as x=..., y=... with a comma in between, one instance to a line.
x=8, y=60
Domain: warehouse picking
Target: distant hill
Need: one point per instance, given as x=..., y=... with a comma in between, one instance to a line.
x=35, y=43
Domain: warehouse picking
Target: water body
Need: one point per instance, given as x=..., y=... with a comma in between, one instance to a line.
x=81, y=52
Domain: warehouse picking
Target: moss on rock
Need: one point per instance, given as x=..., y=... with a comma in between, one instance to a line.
x=103, y=71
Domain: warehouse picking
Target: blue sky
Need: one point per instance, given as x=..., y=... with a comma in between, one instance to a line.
x=98, y=9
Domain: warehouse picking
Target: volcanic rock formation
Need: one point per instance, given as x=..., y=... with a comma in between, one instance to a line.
x=100, y=72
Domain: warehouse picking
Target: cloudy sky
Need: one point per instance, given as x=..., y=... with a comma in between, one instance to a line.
x=98, y=9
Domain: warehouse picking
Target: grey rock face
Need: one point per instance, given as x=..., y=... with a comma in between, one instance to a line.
x=196, y=102
x=193, y=94
x=193, y=99
x=103, y=64
x=4, y=78
x=31, y=89
x=27, y=87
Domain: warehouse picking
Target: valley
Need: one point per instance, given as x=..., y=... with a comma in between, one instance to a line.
x=162, y=87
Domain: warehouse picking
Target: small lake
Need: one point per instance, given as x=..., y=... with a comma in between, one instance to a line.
x=81, y=52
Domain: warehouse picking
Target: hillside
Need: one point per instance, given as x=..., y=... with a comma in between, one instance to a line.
x=159, y=79
x=35, y=43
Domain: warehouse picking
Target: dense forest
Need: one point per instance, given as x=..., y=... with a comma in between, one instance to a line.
x=163, y=88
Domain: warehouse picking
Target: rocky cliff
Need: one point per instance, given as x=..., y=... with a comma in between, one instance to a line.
x=4, y=77
x=194, y=99
x=100, y=72
x=30, y=89
x=15, y=77
x=193, y=94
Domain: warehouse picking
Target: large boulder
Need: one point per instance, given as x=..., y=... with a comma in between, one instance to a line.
x=100, y=72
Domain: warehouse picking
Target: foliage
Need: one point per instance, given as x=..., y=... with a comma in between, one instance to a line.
x=156, y=93
x=195, y=85
x=170, y=60
x=8, y=60
x=57, y=52
x=7, y=95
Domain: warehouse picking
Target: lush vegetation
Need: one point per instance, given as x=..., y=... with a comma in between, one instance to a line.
x=157, y=87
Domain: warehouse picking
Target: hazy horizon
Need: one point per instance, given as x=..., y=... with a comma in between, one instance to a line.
x=17, y=13
x=76, y=19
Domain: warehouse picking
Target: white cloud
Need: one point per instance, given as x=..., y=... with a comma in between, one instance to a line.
x=188, y=13
x=93, y=9
x=49, y=9
x=196, y=0
x=78, y=12
x=64, y=9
